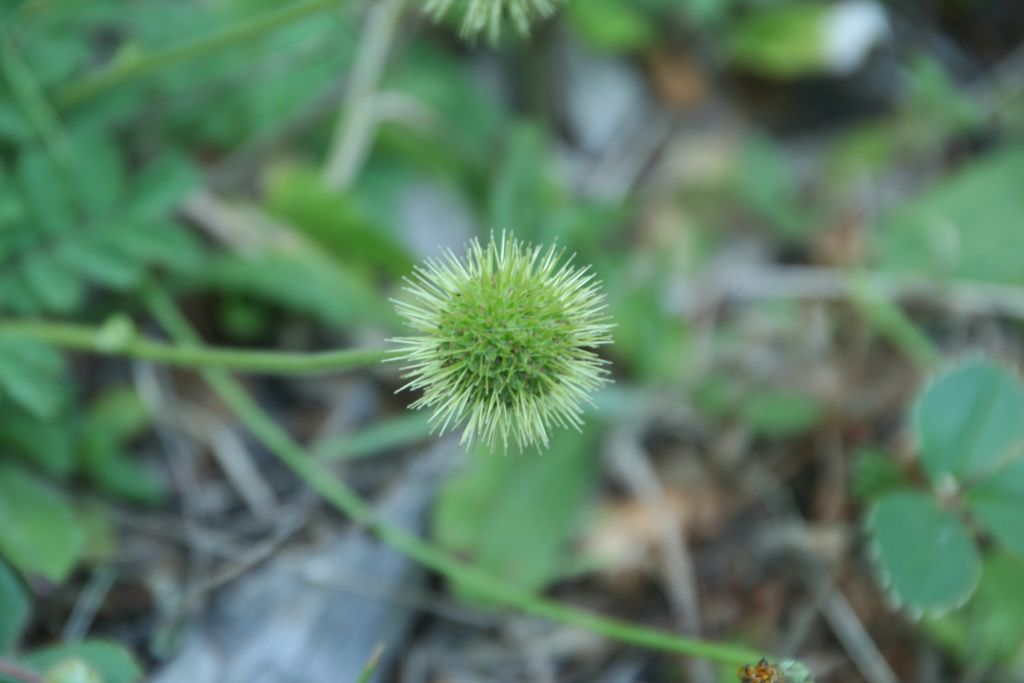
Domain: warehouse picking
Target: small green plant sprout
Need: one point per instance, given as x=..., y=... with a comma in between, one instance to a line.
x=968, y=423
x=486, y=16
x=506, y=341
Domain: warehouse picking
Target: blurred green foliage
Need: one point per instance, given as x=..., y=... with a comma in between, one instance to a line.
x=98, y=190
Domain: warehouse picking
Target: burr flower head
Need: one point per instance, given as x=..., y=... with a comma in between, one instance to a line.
x=505, y=341
x=485, y=16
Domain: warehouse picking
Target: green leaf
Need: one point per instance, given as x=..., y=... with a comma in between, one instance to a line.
x=932, y=90
x=161, y=185
x=514, y=515
x=99, y=263
x=115, y=418
x=999, y=609
x=646, y=335
x=14, y=127
x=15, y=295
x=783, y=41
x=989, y=630
x=875, y=474
x=114, y=663
x=32, y=375
x=52, y=285
x=521, y=192
x=99, y=531
x=121, y=475
x=39, y=532
x=612, y=25
x=925, y=556
x=998, y=503
x=98, y=181
x=42, y=188
x=118, y=414
x=15, y=612
x=329, y=291
x=334, y=220
x=48, y=444
x=966, y=226
x=970, y=419
x=153, y=241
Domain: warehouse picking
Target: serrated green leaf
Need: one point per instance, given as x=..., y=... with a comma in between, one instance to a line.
x=14, y=609
x=970, y=419
x=39, y=533
x=998, y=503
x=32, y=376
x=114, y=663
x=927, y=559
x=514, y=515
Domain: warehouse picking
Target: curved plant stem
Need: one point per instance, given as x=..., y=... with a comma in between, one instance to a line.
x=348, y=502
x=121, y=72
x=114, y=341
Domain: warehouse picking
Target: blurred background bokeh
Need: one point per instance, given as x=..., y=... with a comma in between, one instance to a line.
x=798, y=210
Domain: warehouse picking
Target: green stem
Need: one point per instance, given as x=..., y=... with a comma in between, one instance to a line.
x=348, y=502
x=116, y=339
x=121, y=72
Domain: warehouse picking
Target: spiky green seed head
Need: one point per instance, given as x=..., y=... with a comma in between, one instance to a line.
x=486, y=16
x=506, y=340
